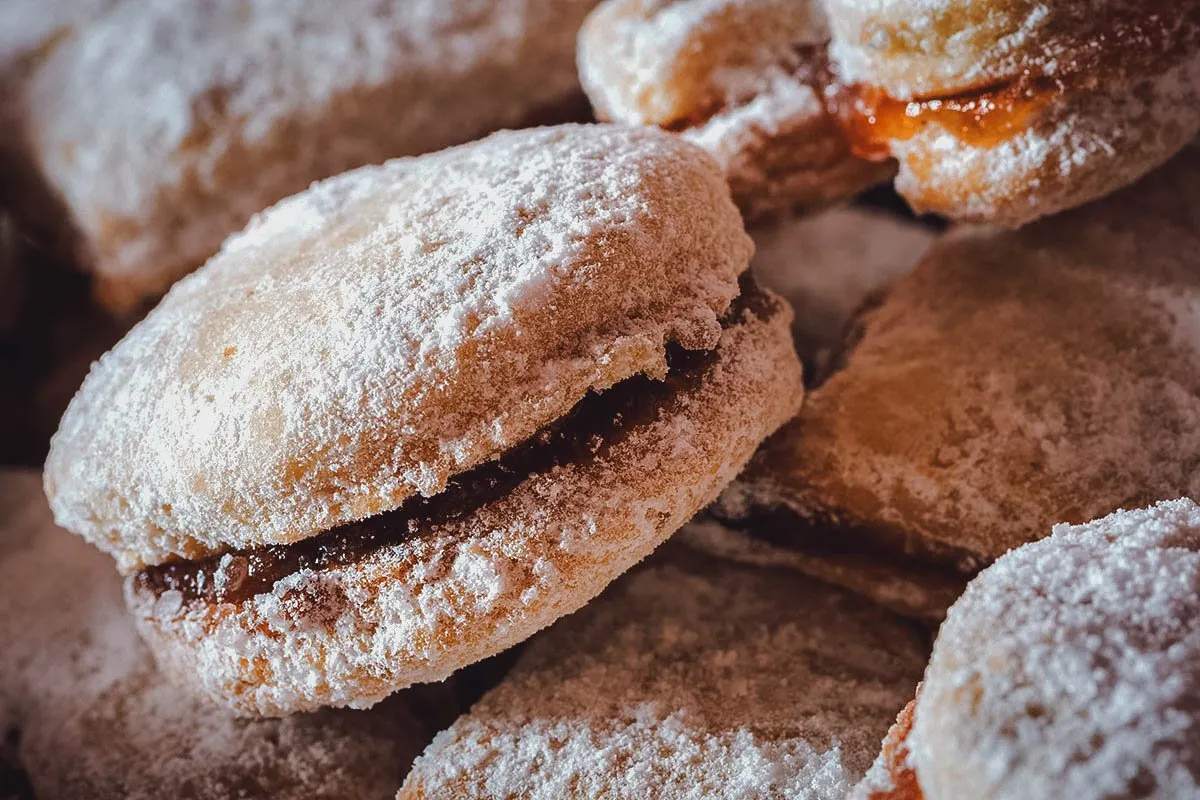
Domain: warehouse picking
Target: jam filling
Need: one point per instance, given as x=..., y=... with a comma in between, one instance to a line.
x=781, y=527
x=870, y=118
x=586, y=433
x=1142, y=44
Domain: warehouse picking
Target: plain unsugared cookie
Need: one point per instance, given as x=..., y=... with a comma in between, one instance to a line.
x=1013, y=380
x=163, y=126
x=1069, y=668
x=418, y=412
x=744, y=79
x=691, y=677
x=92, y=718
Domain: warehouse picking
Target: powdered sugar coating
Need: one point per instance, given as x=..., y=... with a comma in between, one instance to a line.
x=739, y=78
x=690, y=678
x=1011, y=381
x=97, y=721
x=458, y=590
x=927, y=48
x=1069, y=668
x=367, y=339
x=662, y=61
x=166, y=125
x=29, y=26
x=1085, y=145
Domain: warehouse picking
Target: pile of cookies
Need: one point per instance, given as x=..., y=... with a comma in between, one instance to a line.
x=370, y=495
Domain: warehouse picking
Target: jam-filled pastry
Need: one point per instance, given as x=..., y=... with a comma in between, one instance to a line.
x=1011, y=381
x=163, y=126
x=1006, y=111
x=418, y=412
x=828, y=266
x=92, y=719
x=1069, y=668
x=688, y=678
x=745, y=79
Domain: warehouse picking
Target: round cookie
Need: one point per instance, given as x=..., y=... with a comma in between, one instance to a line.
x=688, y=678
x=92, y=718
x=744, y=79
x=1005, y=112
x=420, y=411
x=1067, y=669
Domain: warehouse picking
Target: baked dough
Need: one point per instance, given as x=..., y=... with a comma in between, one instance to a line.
x=417, y=413
x=1012, y=381
x=744, y=79
x=1005, y=111
x=688, y=678
x=95, y=720
x=162, y=127
x=1068, y=669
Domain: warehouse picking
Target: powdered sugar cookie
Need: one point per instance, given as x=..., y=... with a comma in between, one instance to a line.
x=689, y=678
x=1012, y=380
x=92, y=718
x=409, y=417
x=163, y=126
x=1009, y=111
x=1068, y=669
x=744, y=79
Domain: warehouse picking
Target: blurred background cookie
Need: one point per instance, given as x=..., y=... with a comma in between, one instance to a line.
x=995, y=111
x=744, y=79
x=160, y=127
x=1001, y=111
x=416, y=413
x=1011, y=381
x=1068, y=669
x=689, y=677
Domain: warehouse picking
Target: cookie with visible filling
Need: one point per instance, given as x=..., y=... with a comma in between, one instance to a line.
x=89, y=716
x=413, y=415
x=1011, y=381
x=160, y=128
x=744, y=79
x=1067, y=669
x=691, y=677
x=1009, y=111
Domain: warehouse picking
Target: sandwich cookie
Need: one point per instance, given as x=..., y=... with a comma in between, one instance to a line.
x=1005, y=111
x=161, y=127
x=1067, y=669
x=744, y=79
x=1011, y=381
x=688, y=678
x=90, y=717
x=413, y=415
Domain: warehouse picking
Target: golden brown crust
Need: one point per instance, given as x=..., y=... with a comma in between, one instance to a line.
x=1012, y=381
x=742, y=78
x=892, y=777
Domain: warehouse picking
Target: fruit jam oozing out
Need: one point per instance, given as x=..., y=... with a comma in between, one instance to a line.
x=981, y=118
x=595, y=424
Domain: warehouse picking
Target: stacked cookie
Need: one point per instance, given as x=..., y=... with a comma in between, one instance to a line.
x=388, y=478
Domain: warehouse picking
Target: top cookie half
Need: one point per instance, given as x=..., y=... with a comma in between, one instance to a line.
x=364, y=341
